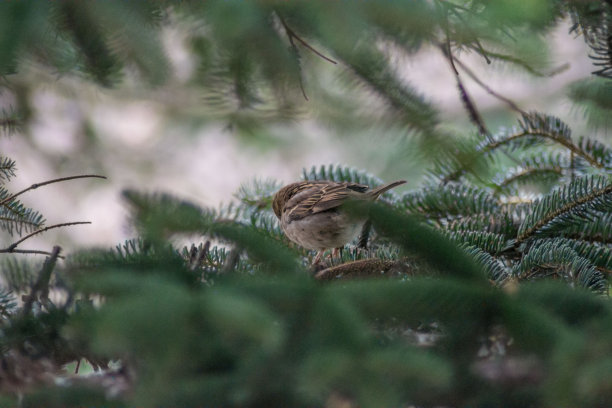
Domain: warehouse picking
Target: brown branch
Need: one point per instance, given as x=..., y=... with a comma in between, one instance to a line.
x=292, y=34
x=42, y=283
x=523, y=64
x=11, y=248
x=469, y=105
x=490, y=91
x=28, y=251
x=364, y=268
x=44, y=183
x=297, y=53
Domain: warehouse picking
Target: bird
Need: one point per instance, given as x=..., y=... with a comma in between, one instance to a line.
x=311, y=214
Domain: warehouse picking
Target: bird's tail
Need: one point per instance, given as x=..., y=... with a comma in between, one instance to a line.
x=379, y=190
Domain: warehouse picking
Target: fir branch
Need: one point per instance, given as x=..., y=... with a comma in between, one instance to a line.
x=7, y=169
x=597, y=229
x=554, y=257
x=487, y=241
x=599, y=152
x=407, y=107
x=599, y=255
x=578, y=193
x=539, y=167
x=499, y=222
x=548, y=127
x=492, y=267
x=594, y=21
x=450, y=201
x=8, y=303
x=10, y=121
x=528, y=173
x=18, y=273
x=18, y=218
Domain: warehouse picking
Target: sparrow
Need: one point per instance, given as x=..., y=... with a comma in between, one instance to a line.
x=310, y=212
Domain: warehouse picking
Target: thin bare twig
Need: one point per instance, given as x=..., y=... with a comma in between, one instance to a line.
x=365, y=268
x=469, y=105
x=44, y=183
x=11, y=248
x=292, y=34
x=297, y=53
x=490, y=91
x=28, y=251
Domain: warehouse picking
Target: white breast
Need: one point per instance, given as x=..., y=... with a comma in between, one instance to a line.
x=328, y=229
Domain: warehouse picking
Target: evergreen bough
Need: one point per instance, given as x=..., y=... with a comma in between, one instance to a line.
x=495, y=289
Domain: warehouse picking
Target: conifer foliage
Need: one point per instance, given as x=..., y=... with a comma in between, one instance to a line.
x=486, y=286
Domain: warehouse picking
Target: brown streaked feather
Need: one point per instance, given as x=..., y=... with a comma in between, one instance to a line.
x=309, y=197
x=315, y=197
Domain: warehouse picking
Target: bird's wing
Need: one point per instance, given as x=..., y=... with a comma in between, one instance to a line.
x=317, y=197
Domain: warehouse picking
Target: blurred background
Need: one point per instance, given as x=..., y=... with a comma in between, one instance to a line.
x=165, y=138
